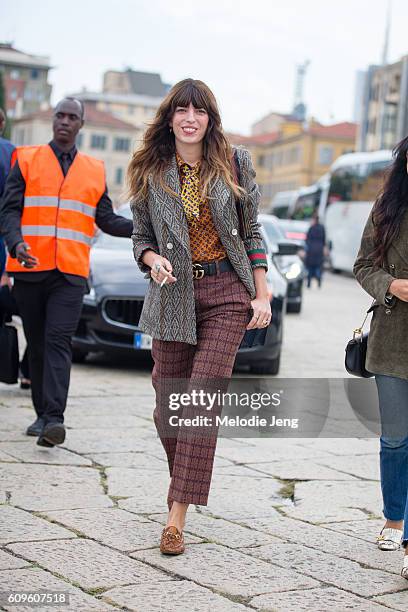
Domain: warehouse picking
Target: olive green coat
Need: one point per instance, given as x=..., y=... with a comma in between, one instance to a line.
x=387, y=351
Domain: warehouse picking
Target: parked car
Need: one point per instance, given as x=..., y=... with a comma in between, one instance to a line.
x=286, y=258
x=111, y=310
x=295, y=231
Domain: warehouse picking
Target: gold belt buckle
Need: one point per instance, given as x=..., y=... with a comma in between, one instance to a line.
x=198, y=270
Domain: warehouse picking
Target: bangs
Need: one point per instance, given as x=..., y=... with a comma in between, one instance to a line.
x=194, y=94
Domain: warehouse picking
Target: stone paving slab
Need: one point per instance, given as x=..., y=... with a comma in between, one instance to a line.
x=37, y=580
x=301, y=469
x=176, y=596
x=95, y=420
x=49, y=487
x=364, y=467
x=30, y=452
x=123, y=440
x=256, y=499
x=318, y=600
x=367, y=529
x=88, y=563
x=396, y=601
x=324, y=501
x=114, y=527
x=131, y=482
x=330, y=569
x=343, y=446
x=263, y=451
x=8, y=561
x=223, y=532
x=17, y=525
x=5, y=458
x=338, y=544
x=130, y=460
x=228, y=571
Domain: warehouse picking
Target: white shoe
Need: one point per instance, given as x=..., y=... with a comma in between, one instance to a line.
x=404, y=571
x=390, y=539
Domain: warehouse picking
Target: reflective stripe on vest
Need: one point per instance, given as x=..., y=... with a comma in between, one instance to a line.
x=49, y=230
x=58, y=220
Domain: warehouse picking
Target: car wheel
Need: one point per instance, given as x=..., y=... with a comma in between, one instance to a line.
x=294, y=308
x=267, y=367
x=78, y=356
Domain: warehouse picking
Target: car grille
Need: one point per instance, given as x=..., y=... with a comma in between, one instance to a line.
x=124, y=312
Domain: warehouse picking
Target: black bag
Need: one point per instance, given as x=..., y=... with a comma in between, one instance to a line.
x=244, y=225
x=356, y=351
x=8, y=354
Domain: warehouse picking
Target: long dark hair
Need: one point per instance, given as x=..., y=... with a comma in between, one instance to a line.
x=159, y=146
x=391, y=203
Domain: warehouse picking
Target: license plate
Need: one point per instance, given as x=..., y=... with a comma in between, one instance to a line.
x=142, y=341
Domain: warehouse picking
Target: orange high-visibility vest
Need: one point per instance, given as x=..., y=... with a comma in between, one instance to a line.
x=58, y=219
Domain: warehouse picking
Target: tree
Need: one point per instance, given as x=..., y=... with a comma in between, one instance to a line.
x=7, y=130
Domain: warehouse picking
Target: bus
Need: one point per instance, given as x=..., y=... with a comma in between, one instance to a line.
x=283, y=203
x=355, y=180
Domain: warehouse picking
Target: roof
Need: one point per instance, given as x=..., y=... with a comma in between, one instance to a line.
x=93, y=116
x=11, y=56
x=146, y=83
x=128, y=99
x=344, y=130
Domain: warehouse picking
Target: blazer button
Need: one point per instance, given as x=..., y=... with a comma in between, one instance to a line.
x=169, y=245
x=234, y=232
x=388, y=311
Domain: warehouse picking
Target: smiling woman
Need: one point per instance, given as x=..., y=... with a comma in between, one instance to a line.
x=207, y=281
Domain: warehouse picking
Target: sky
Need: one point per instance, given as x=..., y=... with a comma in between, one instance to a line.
x=246, y=51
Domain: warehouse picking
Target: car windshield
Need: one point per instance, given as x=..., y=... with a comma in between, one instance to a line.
x=273, y=232
x=105, y=241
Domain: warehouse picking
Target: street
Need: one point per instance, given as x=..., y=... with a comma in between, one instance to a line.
x=290, y=525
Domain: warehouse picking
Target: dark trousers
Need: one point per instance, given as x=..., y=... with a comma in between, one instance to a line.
x=222, y=311
x=314, y=272
x=50, y=311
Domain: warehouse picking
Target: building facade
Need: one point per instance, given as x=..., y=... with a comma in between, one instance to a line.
x=286, y=160
x=25, y=79
x=384, y=112
x=103, y=136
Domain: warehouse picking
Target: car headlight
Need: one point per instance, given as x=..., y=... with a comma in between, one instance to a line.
x=90, y=298
x=294, y=271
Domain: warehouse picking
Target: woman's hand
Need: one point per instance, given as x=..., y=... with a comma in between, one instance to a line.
x=262, y=313
x=162, y=271
x=399, y=288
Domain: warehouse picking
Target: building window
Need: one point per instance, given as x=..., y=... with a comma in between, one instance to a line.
x=13, y=94
x=98, y=141
x=325, y=155
x=79, y=140
x=14, y=74
x=119, y=176
x=35, y=73
x=121, y=144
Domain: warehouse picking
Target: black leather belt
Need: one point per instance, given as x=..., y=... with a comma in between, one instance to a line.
x=209, y=269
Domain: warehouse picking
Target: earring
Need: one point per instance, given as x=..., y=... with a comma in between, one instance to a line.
x=170, y=129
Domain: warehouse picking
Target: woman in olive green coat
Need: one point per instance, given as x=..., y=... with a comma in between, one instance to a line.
x=381, y=268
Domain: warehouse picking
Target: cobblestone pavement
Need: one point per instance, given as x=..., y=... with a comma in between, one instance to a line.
x=290, y=525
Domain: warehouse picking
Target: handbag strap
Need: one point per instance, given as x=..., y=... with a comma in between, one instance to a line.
x=359, y=330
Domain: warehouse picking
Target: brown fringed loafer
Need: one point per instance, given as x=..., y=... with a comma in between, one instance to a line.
x=172, y=541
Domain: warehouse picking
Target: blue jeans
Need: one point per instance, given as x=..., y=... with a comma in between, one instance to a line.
x=393, y=401
x=314, y=272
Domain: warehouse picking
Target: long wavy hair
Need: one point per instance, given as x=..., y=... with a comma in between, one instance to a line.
x=391, y=204
x=153, y=157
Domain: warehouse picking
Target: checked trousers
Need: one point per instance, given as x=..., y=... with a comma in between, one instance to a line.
x=223, y=310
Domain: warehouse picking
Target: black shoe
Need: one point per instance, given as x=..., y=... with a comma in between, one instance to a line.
x=35, y=428
x=53, y=433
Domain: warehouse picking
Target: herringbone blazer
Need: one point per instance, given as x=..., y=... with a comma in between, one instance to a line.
x=160, y=224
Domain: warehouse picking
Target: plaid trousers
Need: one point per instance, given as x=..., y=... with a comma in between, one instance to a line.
x=223, y=310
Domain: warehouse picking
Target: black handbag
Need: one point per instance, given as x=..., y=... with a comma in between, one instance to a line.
x=356, y=351
x=244, y=224
x=9, y=360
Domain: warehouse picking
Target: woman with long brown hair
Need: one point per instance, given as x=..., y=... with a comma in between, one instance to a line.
x=382, y=270
x=207, y=279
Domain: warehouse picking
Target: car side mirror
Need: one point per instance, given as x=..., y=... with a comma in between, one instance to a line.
x=288, y=248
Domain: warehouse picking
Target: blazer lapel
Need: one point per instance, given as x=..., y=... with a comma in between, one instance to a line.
x=221, y=201
x=171, y=208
